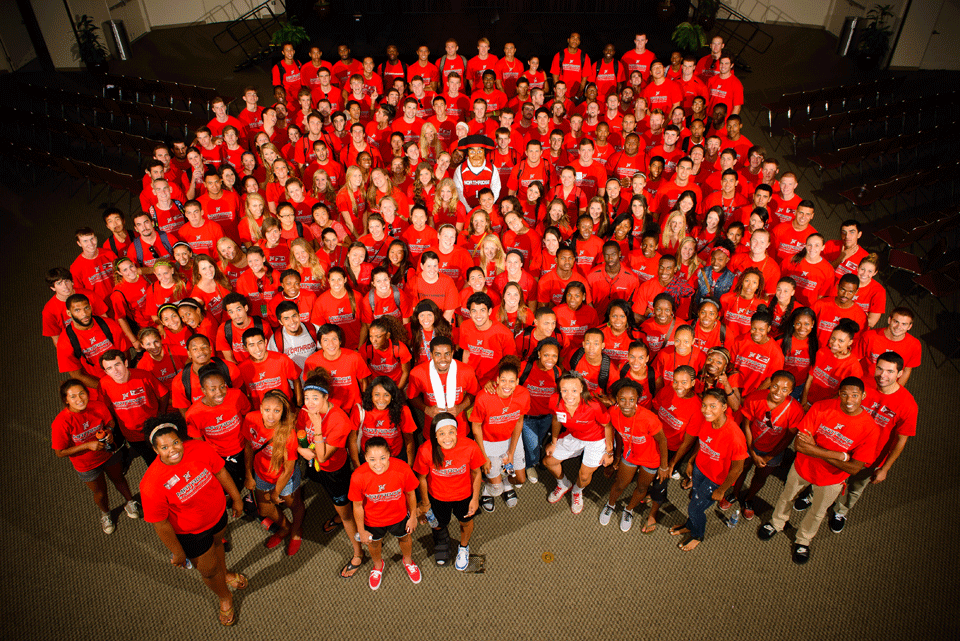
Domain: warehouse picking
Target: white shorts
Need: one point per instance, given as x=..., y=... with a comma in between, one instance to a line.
x=495, y=449
x=569, y=447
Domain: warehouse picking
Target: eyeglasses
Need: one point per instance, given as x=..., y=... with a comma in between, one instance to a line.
x=154, y=252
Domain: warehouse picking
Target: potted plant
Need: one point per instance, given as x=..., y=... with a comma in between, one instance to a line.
x=290, y=32
x=89, y=47
x=707, y=13
x=875, y=37
x=689, y=37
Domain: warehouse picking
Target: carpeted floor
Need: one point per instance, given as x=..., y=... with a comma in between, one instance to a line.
x=892, y=574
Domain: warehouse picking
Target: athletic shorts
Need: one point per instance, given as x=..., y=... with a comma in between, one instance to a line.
x=444, y=509
x=336, y=484
x=399, y=530
x=495, y=449
x=570, y=447
x=195, y=545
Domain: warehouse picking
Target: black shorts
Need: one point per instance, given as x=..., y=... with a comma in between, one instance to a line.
x=399, y=530
x=144, y=449
x=336, y=484
x=443, y=509
x=235, y=467
x=196, y=545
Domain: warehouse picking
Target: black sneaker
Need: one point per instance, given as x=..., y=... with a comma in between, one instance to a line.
x=803, y=502
x=486, y=502
x=766, y=532
x=801, y=553
x=836, y=523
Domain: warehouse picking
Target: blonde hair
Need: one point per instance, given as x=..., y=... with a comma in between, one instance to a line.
x=268, y=166
x=499, y=260
x=694, y=261
x=427, y=150
x=438, y=203
x=313, y=263
x=667, y=237
x=252, y=223
x=372, y=199
x=329, y=195
x=179, y=287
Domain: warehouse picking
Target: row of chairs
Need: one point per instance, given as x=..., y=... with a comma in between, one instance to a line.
x=865, y=196
x=84, y=171
x=829, y=98
x=877, y=150
x=900, y=234
x=68, y=103
x=870, y=118
x=147, y=91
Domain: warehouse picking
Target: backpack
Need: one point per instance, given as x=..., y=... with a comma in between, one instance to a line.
x=651, y=378
x=443, y=77
x=529, y=368
x=278, y=335
x=604, y=378
x=138, y=246
x=186, y=378
x=367, y=351
x=373, y=306
x=403, y=67
x=228, y=329
x=75, y=340
x=525, y=339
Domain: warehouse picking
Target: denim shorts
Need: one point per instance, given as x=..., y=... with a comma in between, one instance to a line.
x=775, y=461
x=92, y=475
x=292, y=485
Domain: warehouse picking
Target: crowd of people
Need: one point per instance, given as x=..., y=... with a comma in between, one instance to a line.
x=424, y=286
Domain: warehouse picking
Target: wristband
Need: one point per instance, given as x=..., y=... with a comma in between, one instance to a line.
x=846, y=457
x=664, y=469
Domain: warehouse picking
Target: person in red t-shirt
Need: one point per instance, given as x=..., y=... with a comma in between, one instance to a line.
x=84, y=340
x=265, y=370
x=719, y=462
x=134, y=396
x=431, y=389
x=586, y=430
x=770, y=421
x=829, y=311
x=54, y=315
x=497, y=421
x=834, y=362
x=484, y=341
x=183, y=496
x=836, y=439
x=641, y=450
x=350, y=373
x=270, y=458
x=382, y=491
x=812, y=273
x=892, y=338
x=383, y=413
x=83, y=432
x=756, y=354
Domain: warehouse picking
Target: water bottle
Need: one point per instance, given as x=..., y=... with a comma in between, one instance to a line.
x=734, y=518
x=102, y=437
x=431, y=519
x=189, y=565
x=508, y=467
x=302, y=439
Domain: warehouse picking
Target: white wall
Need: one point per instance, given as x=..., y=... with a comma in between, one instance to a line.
x=55, y=24
x=166, y=13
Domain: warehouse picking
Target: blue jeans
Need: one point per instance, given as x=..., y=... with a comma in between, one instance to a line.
x=535, y=429
x=700, y=502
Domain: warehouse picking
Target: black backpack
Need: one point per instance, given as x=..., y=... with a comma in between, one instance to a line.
x=75, y=340
x=186, y=378
x=651, y=378
x=604, y=378
x=529, y=368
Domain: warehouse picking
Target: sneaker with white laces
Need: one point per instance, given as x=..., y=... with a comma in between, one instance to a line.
x=413, y=572
x=107, y=523
x=376, y=577
x=836, y=523
x=558, y=492
x=133, y=510
x=606, y=513
x=463, y=558
x=802, y=503
x=576, y=502
x=626, y=520
x=532, y=475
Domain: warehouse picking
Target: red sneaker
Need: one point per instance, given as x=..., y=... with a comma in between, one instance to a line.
x=413, y=572
x=724, y=504
x=273, y=541
x=376, y=577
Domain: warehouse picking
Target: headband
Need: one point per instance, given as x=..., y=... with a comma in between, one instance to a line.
x=165, y=306
x=315, y=388
x=158, y=428
x=190, y=302
x=444, y=422
x=180, y=243
x=722, y=249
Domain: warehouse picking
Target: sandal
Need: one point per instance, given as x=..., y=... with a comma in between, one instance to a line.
x=677, y=530
x=351, y=568
x=226, y=617
x=238, y=582
x=686, y=484
x=332, y=525
x=683, y=544
x=649, y=528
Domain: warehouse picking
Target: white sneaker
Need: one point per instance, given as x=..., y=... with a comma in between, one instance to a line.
x=133, y=510
x=463, y=558
x=605, y=514
x=626, y=520
x=532, y=475
x=107, y=523
x=576, y=502
x=558, y=492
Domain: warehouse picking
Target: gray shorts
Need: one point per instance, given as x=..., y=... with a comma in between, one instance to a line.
x=92, y=475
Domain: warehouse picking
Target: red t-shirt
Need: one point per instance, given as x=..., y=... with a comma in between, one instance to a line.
x=814, y=281
x=550, y=286
x=452, y=481
x=383, y=495
x=737, y=312
x=335, y=428
x=828, y=372
x=277, y=371
x=484, y=349
x=591, y=374
x=895, y=415
x=378, y=423
x=179, y=392
x=797, y=362
x=875, y=342
x=783, y=210
x=767, y=426
x=419, y=383
x=498, y=417
x=829, y=315
x=444, y=292
x=93, y=342
x=767, y=266
x=636, y=432
x=573, y=324
x=719, y=448
x=260, y=437
x=55, y=315
x=220, y=425
x=785, y=241
x=587, y=422
x=676, y=414
x=756, y=362
x=347, y=371
x=186, y=494
x=95, y=274
x=70, y=429
x=668, y=361
x=133, y=402
x=541, y=385
x=386, y=362
x=834, y=430
x=872, y=297
x=340, y=312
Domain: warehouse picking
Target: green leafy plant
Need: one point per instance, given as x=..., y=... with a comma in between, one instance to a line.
x=89, y=47
x=689, y=37
x=875, y=38
x=290, y=32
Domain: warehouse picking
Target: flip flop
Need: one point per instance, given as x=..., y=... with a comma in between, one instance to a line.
x=686, y=484
x=650, y=528
x=675, y=530
x=683, y=544
x=332, y=525
x=239, y=581
x=350, y=567
x=226, y=617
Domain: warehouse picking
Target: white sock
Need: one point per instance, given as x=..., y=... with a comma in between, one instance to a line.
x=506, y=485
x=564, y=482
x=577, y=489
x=486, y=490
x=612, y=506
